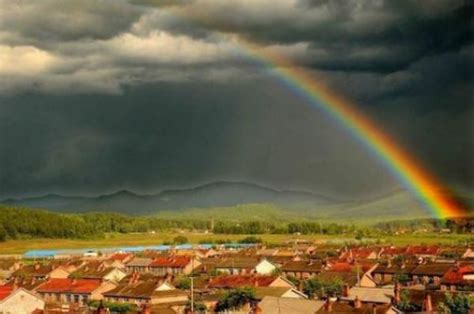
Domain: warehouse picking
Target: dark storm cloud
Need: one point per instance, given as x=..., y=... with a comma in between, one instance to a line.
x=145, y=94
x=157, y=137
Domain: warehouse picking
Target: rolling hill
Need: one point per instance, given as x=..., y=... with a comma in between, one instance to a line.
x=209, y=195
x=234, y=201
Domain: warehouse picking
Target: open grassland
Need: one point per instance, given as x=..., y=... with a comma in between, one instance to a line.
x=145, y=239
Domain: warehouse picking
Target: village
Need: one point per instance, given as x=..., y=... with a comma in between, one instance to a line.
x=295, y=277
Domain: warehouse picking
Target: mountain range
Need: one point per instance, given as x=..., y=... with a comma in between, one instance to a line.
x=203, y=196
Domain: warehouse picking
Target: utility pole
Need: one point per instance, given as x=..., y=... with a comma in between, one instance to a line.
x=192, y=295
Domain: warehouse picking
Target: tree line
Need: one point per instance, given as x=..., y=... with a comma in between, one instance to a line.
x=16, y=222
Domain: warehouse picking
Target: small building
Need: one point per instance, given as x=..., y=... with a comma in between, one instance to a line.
x=139, y=264
x=19, y=301
x=240, y=266
x=73, y=290
x=173, y=265
x=302, y=269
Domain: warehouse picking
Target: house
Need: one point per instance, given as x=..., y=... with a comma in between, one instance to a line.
x=302, y=269
x=422, y=252
x=239, y=266
x=149, y=292
x=430, y=273
x=459, y=278
x=358, y=254
x=123, y=258
x=468, y=254
x=19, y=301
x=139, y=264
x=99, y=270
x=174, y=265
x=73, y=290
x=270, y=305
x=7, y=267
x=40, y=272
x=368, y=295
x=236, y=281
x=389, y=272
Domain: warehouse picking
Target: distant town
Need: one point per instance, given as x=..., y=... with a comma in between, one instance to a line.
x=296, y=276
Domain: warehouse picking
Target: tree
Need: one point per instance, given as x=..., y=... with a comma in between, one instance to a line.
x=180, y=240
x=405, y=305
x=250, y=239
x=459, y=304
x=317, y=287
x=235, y=299
x=3, y=233
x=184, y=283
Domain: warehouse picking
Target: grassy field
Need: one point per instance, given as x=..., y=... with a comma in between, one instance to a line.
x=117, y=240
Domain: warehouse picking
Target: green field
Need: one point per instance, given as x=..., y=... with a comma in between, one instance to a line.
x=114, y=240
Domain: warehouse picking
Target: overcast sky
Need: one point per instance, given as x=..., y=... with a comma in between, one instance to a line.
x=97, y=96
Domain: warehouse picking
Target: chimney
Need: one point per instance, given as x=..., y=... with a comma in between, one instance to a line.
x=396, y=292
x=74, y=281
x=33, y=281
x=37, y=266
x=374, y=309
x=357, y=302
x=328, y=305
x=345, y=290
x=427, y=305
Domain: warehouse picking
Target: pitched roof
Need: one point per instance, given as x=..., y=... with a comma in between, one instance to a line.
x=66, y=285
x=422, y=250
x=302, y=266
x=120, y=256
x=373, y=295
x=351, y=267
x=5, y=291
x=261, y=292
x=138, y=289
x=239, y=262
x=174, y=261
x=432, y=269
x=456, y=276
x=140, y=262
x=394, y=268
x=271, y=304
x=233, y=281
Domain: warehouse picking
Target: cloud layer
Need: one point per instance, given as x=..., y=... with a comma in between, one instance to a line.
x=85, y=76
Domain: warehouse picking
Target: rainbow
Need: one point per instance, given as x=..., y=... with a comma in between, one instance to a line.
x=401, y=165
x=421, y=183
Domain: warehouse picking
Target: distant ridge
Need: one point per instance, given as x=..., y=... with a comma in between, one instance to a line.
x=222, y=193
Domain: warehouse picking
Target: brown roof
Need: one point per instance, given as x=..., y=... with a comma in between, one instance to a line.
x=394, y=268
x=303, y=266
x=432, y=269
x=139, y=289
x=238, y=263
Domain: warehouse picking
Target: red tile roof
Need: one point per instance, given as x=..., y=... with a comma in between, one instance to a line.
x=350, y=267
x=5, y=291
x=234, y=281
x=60, y=285
x=175, y=261
x=456, y=275
x=422, y=250
x=120, y=256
